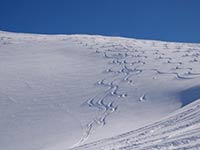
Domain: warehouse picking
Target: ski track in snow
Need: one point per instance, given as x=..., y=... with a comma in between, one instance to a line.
x=178, y=131
x=131, y=61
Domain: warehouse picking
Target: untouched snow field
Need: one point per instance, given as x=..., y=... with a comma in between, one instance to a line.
x=82, y=92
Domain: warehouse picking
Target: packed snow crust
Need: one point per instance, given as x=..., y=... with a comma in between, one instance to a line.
x=83, y=92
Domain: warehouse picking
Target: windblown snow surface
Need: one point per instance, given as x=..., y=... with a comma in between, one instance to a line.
x=82, y=92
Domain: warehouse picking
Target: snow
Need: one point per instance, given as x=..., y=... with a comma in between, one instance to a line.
x=60, y=92
x=178, y=131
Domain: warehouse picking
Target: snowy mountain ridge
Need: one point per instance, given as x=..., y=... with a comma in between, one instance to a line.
x=61, y=92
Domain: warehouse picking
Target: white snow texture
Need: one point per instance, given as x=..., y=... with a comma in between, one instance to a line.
x=87, y=92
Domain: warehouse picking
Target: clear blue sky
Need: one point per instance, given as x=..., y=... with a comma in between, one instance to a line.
x=171, y=20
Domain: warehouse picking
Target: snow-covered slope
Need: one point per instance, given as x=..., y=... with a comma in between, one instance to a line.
x=59, y=92
x=179, y=131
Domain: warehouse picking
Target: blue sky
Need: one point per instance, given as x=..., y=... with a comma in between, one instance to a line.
x=170, y=20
